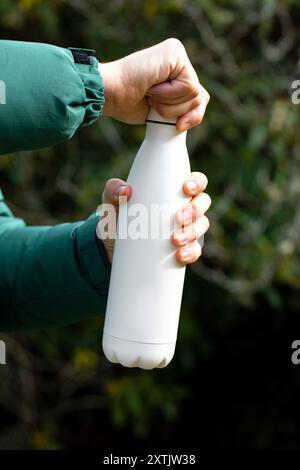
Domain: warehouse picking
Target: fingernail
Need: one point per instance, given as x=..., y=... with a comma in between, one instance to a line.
x=120, y=190
x=181, y=237
x=191, y=185
x=184, y=254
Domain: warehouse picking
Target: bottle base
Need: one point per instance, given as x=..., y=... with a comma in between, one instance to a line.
x=135, y=354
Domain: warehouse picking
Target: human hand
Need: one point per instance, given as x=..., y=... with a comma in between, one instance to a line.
x=162, y=77
x=190, y=217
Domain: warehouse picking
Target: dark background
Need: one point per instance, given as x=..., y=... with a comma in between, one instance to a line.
x=232, y=384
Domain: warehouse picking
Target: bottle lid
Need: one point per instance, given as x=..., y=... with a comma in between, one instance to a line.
x=156, y=118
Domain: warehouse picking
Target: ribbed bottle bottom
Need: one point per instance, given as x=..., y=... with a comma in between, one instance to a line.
x=136, y=354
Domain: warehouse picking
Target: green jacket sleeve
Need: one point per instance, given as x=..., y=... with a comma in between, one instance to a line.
x=50, y=276
x=46, y=94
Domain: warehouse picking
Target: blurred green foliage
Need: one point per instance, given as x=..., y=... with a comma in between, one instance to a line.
x=57, y=390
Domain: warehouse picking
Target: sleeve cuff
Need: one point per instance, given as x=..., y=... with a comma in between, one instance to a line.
x=89, y=247
x=88, y=70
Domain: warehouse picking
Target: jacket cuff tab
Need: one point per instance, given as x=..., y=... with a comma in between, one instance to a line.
x=82, y=56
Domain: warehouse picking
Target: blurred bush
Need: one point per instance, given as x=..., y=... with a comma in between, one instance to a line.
x=57, y=390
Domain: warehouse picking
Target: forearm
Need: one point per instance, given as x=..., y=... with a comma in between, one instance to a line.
x=49, y=94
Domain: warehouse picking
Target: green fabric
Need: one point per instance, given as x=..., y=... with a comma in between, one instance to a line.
x=48, y=96
x=48, y=275
x=7, y=220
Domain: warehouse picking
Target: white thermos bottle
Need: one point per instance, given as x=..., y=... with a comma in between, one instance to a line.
x=146, y=282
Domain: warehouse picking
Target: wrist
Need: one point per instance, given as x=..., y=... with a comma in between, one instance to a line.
x=110, y=73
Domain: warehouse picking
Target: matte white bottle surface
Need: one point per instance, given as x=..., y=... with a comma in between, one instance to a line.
x=146, y=282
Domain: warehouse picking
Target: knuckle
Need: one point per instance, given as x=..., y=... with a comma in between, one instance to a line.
x=205, y=222
x=111, y=183
x=106, y=191
x=198, y=115
x=174, y=42
x=108, y=183
x=196, y=251
x=199, y=90
x=198, y=231
x=201, y=112
x=207, y=199
x=198, y=248
x=206, y=96
x=198, y=119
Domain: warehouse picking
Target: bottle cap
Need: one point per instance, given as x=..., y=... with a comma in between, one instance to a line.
x=156, y=118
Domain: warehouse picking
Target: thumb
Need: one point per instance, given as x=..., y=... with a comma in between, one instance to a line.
x=114, y=188
x=170, y=90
